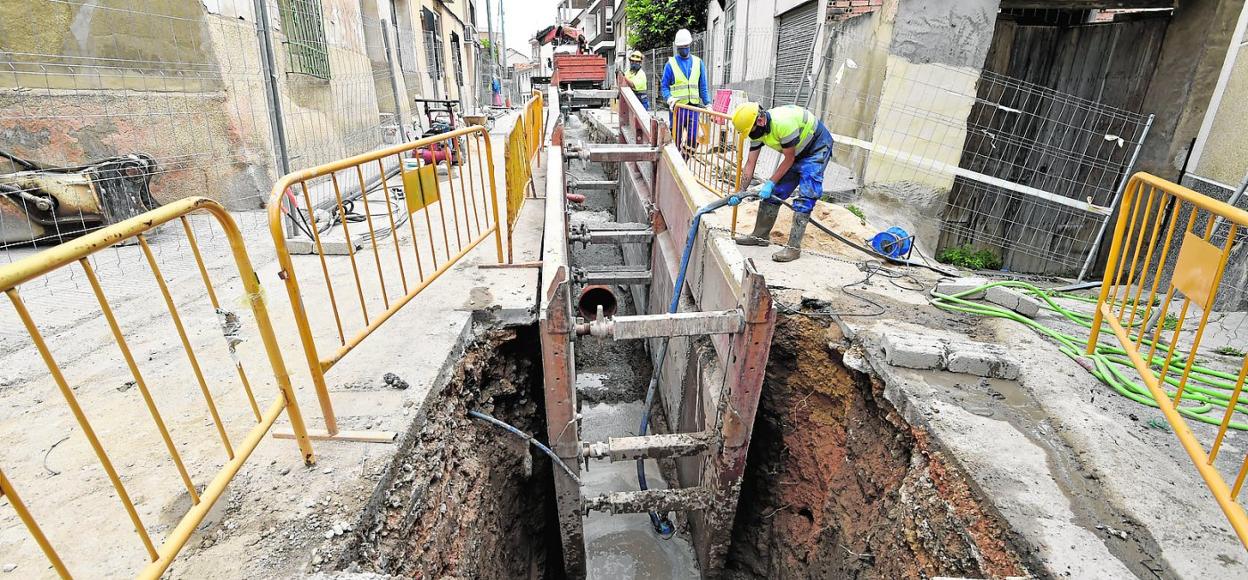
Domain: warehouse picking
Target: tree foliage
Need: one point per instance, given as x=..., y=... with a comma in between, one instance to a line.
x=653, y=23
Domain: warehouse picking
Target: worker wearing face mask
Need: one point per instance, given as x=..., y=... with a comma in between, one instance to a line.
x=684, y=81
x=635, y=79
x=806, y=147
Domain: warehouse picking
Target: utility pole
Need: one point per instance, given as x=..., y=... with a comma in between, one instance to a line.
x=502, y=31
x=489, y=34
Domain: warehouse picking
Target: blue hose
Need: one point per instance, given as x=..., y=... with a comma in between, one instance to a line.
x=662, y=525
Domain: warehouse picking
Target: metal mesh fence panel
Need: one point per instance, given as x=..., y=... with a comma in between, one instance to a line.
x=957, y=155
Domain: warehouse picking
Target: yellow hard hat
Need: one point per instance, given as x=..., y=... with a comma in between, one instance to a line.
x=635, y=56
x=744, y=117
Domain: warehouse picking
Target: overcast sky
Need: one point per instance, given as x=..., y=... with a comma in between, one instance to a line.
x=523, y=17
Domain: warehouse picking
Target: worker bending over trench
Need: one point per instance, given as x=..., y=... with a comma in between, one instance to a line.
x=806, y=146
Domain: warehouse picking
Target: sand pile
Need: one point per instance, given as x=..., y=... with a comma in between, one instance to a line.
x=835, y=217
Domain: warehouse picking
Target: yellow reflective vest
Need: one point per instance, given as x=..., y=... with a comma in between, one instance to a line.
x=637, y=78
x=685, y=89
x=791, y=126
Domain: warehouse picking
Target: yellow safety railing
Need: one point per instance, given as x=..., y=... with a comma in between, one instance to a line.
x=535, y=120
x=1152, y=263
x=78, y=251
x=523, y=144
x=519, y=175
x=441, y=188
x=711, y=146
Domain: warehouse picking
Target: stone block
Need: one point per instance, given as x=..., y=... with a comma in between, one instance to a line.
x=952, y=286
x=981, y=359
x=913, y=351
x=1014, y=300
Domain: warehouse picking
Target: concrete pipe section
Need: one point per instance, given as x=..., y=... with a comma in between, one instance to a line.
x=594, y=298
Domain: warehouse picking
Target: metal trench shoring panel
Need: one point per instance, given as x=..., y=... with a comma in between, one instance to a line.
x=555, y=324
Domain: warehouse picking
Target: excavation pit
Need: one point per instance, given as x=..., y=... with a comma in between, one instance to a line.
x=839, y=485
x=462, y=497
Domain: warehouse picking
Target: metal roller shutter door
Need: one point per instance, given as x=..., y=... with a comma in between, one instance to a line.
x=795, y=39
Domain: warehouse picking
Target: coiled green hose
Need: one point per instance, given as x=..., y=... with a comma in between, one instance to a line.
x=1208, y=391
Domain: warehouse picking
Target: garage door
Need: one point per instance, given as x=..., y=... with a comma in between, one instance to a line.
x=795, y=39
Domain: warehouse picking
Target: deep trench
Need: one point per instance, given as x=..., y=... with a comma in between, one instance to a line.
x=838, y=485
x=463, y=498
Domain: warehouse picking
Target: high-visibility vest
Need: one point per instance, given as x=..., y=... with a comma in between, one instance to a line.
x=637, y=78
x=685, y=89
x=791, y=126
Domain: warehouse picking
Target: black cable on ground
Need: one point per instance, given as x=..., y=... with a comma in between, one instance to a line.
x=870, y=251
x=530, y=439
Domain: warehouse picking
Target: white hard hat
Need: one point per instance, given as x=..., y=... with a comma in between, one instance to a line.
x=683, y=38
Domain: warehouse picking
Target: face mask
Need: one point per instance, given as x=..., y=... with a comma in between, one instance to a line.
x=683, y=52
x=635, y=66
x=758, y=131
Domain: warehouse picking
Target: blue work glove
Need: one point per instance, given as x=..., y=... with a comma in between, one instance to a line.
x=765, y=192
x=734, y=200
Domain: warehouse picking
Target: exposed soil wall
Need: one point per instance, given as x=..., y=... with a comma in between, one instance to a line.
x=838, y=486
x=467, y=499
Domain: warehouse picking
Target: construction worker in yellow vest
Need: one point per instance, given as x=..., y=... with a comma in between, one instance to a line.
x=684, y=81
x=635, y=78
x=806, y=146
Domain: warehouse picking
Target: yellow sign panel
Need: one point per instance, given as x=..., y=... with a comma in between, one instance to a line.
x=1197, y=269
x=420, y=184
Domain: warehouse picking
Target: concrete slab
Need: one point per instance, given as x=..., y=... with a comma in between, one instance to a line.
x=913, y=351
x=1014, y=300
x=980, y=359
x=924, y=351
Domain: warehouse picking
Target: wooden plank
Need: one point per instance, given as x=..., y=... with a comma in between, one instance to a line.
x=1043, y=141
x=1084, y=4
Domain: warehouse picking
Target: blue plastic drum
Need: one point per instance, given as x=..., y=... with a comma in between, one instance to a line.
x=893, y=242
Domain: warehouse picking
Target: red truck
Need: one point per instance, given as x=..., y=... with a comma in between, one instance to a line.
x=581, y=71
x=573, y=66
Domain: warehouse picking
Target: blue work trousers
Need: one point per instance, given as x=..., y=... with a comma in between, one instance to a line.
x=806, y=174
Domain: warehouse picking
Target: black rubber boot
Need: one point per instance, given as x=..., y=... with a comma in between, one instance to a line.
x=794, y=250
x=763, y=223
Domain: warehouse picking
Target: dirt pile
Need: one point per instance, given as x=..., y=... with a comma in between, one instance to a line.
x=835, y=217
x=467, y=499
x=838, y=486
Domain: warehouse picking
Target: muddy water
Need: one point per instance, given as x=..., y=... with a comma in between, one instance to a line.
x=1081, y=490
x=611, y=382
x=624, y=545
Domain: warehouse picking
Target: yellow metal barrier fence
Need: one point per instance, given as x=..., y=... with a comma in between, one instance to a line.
x=523, y=144
x=712, y=147
x=1147, y=254
x=447, y=215
x=519, y=176
x=13, y=275
x=535, y=120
